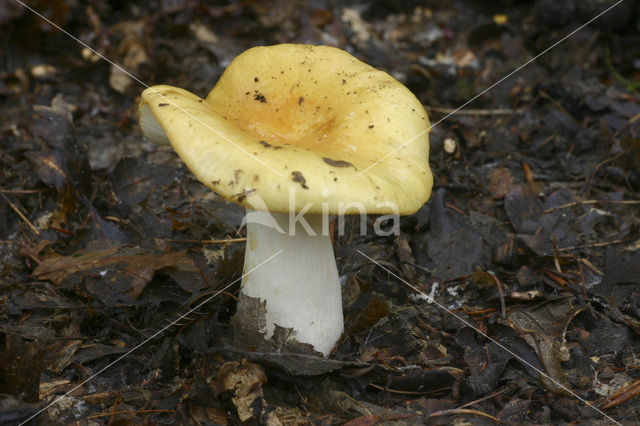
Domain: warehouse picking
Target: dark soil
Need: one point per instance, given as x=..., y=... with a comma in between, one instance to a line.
x=531, y=239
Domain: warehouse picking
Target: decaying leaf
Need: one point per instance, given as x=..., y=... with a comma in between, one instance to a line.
x=20, y=365
x=543, y=326
x=366, y=413
x=500, y=182
x=66, y=165
x=244, y=380
x=125, y=269
x=374, y=312
x=542, y=189
x=523, y=208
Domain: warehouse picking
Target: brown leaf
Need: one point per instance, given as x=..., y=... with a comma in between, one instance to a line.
x=375, y=310
x=136, y=266
x=245, y=380
x=20, y=366
x=65, y=166
x=542, y=327
x=499, y=182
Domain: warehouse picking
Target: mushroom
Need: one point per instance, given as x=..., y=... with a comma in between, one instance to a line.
x=295, y=133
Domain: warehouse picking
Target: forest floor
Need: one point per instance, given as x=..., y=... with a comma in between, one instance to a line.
x=529, y=245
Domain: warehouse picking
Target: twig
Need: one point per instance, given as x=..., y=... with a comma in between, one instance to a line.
x=602, y=244
x=422, y=268
x=602, y=163
x=422, y=70
x=22, y=216
x=501, y=292
x=474, y=111
x=97, y=416
x=478, y=312
x=558, y=105
x=624, y=394
x=484, y=398
x=528, y=174
x=229, y=240
x=631, y=121
x=386, y=389
x=591, y=266
x=61, y=230
x=455, y=209
x=579, y=203
x=583, y=282
x=556, y=261
x=23, y=191
x=465, y=411
x=113, y=409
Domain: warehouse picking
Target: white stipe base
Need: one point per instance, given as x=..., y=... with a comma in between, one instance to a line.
x=300, y=286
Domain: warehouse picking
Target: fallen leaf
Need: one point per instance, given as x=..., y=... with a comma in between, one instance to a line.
x=542, y=327
x=244, y=379
x=125, y=268
x=499, y=183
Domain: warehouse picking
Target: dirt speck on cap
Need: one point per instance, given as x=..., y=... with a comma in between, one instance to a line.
x=338, y=163
x=298, y=177
x=268, y=145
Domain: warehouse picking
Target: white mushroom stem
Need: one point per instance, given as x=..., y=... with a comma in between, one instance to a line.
x=300, y=285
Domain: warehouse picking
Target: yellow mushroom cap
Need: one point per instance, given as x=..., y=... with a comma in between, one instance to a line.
x=303, y=128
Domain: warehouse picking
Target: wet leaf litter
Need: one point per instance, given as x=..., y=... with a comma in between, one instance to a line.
x=531, y=234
